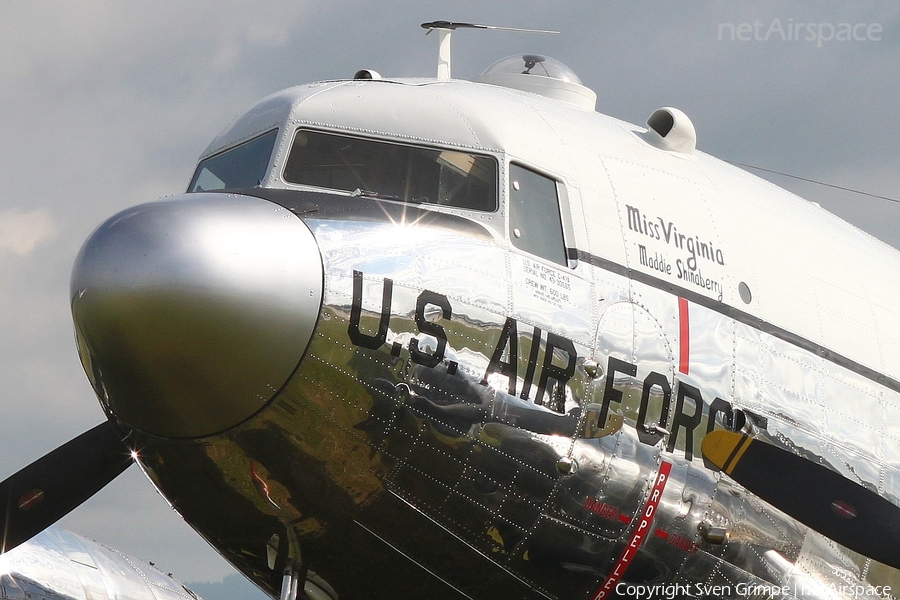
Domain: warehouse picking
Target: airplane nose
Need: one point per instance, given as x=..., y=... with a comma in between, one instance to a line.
x=192, y=313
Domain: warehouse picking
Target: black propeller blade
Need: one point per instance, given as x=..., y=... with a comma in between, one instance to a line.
x=818, y=497
x=50, y=487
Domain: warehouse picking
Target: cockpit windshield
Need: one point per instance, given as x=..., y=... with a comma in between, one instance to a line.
x=393, y=171
x=243, y=166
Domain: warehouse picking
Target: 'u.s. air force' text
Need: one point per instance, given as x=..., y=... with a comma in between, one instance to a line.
x=557, y=358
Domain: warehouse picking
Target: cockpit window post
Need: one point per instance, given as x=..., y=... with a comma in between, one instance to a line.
x=536, y=221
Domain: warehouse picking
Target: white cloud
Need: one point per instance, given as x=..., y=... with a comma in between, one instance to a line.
x=21, y=231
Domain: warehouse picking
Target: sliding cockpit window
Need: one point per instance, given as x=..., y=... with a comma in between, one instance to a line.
x=389, y=171
x=243, y=166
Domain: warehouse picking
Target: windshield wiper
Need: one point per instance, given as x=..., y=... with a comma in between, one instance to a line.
x=370, y=194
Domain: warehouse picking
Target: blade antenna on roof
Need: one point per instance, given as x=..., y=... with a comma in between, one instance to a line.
x=446, y=28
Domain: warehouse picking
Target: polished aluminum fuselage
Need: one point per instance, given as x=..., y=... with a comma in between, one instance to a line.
x=469, y=420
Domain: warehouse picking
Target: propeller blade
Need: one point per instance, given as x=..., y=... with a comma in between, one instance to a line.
x=50, y=487
x=818, y=497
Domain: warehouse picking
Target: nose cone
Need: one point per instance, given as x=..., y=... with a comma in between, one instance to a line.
x=192, y=313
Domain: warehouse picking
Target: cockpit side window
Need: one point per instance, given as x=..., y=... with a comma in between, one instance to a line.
x=390, y=171
x=243, y=166
x=535, y=225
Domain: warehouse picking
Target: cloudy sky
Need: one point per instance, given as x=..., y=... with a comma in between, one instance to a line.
x=107, y=104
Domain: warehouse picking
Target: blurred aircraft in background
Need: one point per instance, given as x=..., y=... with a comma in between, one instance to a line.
x=58, y=564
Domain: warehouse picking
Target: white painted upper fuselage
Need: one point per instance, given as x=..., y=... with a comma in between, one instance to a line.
x=808, y=271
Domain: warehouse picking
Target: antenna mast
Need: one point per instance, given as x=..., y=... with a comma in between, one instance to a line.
x=445, y=30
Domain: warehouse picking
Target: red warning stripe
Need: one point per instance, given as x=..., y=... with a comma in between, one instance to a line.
x=639, y=534
x=843, y=509
x=684, y=336
x=31, y=499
